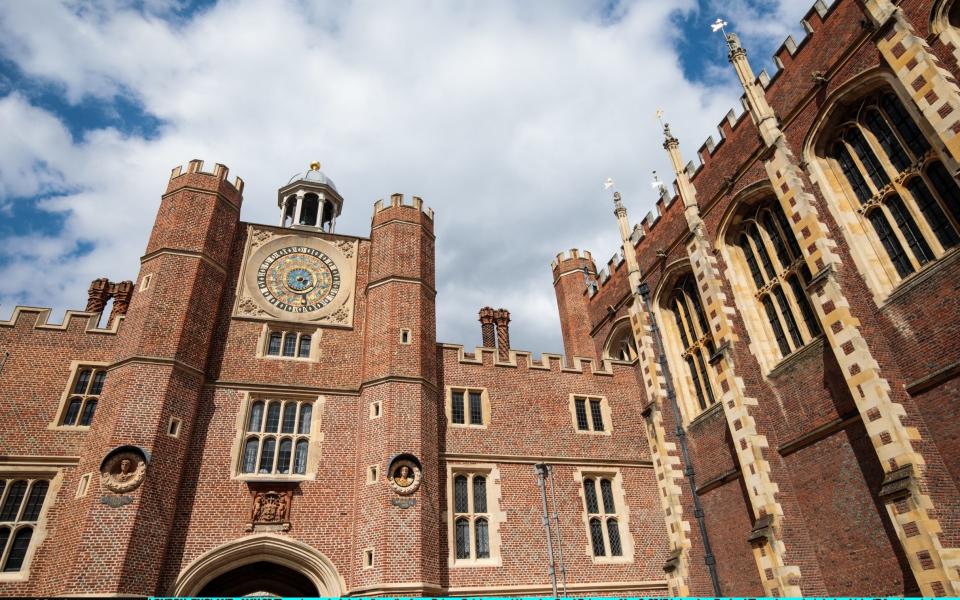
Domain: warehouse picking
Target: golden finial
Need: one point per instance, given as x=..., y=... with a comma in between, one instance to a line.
x=315, y=165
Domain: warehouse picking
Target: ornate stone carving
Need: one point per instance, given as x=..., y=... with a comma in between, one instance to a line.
x=248, y=308
x=260, y=237
x=405, y=477
x=123, y=472
x=346, y=248
x=341, y=315
x=270, y=509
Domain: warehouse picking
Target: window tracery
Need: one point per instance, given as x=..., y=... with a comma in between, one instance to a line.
x=277, y=437
x=896, y=185
x=779, y=276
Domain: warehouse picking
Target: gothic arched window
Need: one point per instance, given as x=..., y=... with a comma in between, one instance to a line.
x=695, y=340
x=898, y=188
x=779, y=275
x=620, y=343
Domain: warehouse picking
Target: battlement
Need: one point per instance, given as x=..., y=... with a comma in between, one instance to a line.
x=43, y=320
x=220, y=172
x=572, y=254
x=785, y=55
x=730, y=128
x=547, y=362
x=396, y=201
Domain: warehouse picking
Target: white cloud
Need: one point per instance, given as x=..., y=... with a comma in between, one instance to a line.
x=505, y=119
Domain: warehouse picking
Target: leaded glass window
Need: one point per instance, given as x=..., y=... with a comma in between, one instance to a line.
x=21, y=505
x=470, y=516
x=85, y=389
x=603, y=527
x=277, y=437
x=289, y=344
x=696, y=339
x=780, y=289
x=912, y=204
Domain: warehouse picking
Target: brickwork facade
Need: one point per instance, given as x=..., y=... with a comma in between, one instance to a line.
x=759, y=394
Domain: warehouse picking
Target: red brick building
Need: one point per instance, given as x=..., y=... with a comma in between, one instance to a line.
x=762, y=399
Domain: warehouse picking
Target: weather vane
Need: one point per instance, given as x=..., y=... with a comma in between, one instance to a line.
x=719, y=25
x=656, y=183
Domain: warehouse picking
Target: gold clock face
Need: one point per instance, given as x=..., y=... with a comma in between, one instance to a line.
x=298, y=279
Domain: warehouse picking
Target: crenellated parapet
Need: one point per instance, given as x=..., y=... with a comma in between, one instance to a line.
x=523, y=359
x=89, y=320
x=195, y=175
x=382, y=210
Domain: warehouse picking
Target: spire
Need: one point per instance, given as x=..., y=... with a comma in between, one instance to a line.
x=629, y=254
x=688, y=193
x=760, y=109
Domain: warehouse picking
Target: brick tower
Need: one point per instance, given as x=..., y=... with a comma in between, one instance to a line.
x=158, y=375
x=400, y=385
x=569, y=272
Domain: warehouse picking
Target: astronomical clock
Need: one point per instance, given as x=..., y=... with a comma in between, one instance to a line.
x=296, y=277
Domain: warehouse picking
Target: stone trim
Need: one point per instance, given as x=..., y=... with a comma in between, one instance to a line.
x=605, y=414
x=158, y=360
x=622, y=515
x=815, y=435
x=552, y=460
x=314, y=443
x=485, y=409
x=75, y=365
x=276, y=388
x=55, y=476
x=280, y=549
x=940, y=376
x=399, y=279
x=204, y=257
x=495, y=513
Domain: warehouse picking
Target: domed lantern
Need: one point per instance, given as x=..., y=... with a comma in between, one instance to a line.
x=310, y=201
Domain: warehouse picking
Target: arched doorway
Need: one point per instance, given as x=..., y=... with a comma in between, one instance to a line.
x=261, y=579
x=265, y=564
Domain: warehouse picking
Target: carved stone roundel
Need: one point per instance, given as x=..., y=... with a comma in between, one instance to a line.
x=123, y=472
x=405, y=477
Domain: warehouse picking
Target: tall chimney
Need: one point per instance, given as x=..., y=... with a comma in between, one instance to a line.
x=98, y=294
x=487, y=327
x=122, y=292
x=502, y=319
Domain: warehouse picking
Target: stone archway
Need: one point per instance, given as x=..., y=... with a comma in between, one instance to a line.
x=270, y=561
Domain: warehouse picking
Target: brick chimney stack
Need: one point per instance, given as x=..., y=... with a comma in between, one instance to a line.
x=122, y=292
x=502, y=318
x=98, y=294
x=487, y=327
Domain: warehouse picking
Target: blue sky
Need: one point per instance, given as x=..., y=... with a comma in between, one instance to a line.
x=504, y=116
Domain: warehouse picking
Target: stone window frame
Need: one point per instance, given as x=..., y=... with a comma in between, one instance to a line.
x=68, y=395
x=314, y=438
x=753, y=201
x=870, y=257
x=605, y=413
x=369, y=558
x=700, y=350
x=267, y=331
x=485, y=408
x=373, y=474
x=621, y=514
x=376, y=409
x=83, y=485
x=620, y=341
x=55, y=478
x=174, y=427
x=495, y=515
x=145, y=282
x=406, y=333
x=943, y=12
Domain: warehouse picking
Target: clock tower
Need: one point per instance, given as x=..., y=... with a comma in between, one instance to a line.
x=299, y=272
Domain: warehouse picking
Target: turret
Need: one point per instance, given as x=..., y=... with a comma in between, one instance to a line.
x=397, y=521
x=158, y=376
x=574, y=280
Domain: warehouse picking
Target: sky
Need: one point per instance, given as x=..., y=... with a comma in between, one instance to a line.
x=505, y=117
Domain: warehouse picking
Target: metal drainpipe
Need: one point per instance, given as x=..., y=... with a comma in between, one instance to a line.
x=541, y=469
x=708, y=558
